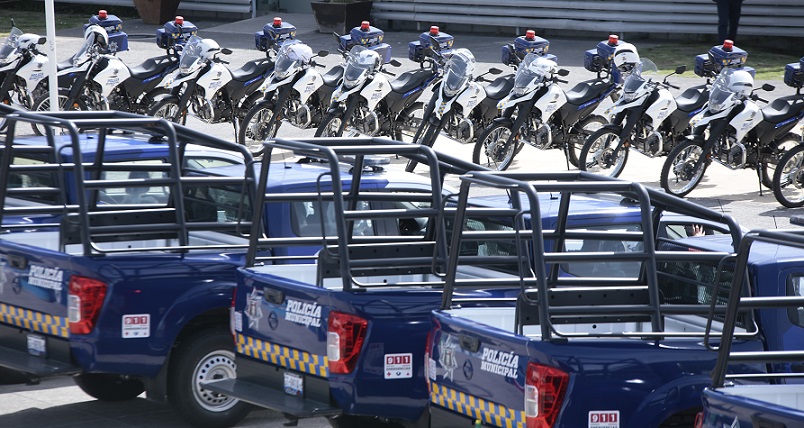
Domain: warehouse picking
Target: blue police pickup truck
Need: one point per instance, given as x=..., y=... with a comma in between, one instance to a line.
x=609, y=327
x=345, y=337
x=771, y=395
x=119, y=270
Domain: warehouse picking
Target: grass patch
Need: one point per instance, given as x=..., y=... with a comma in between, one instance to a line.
x=29, y=15
x=769, y=65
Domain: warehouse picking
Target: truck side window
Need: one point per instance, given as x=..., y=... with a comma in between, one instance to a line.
x=795, y=288
x=609, y=269
x=307, y=218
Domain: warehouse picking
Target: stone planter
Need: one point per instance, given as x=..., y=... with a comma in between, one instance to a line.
x=340, y=17
x=156, y=12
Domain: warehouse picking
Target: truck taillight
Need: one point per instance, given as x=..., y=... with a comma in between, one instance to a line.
x=345, y=334
x=544, y=392
x=85, y=302
x=699, y=418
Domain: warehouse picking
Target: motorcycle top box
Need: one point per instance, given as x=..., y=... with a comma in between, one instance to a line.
x=599, y=59
x=523, y=45
x=416, y=49
x=274, y=33
x=118, y=40
x=368, y=36
x=175, y=32
x=794, y=74
x=719, y=57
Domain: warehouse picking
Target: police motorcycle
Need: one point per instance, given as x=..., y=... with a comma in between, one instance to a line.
x=725, y=131
x=204, y=86
x=368, y=103
x=543, y=115
x=77, y=89
x=647, y=118
x=779, y=118
x=460, y=106
x=22, y=69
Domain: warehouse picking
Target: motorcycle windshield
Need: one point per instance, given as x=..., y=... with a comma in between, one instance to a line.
x=533, y=70
x=458, y=71
x=357, y=66
x=10, y=43
x=721, y=94
x=190, y=55
x=85, y=52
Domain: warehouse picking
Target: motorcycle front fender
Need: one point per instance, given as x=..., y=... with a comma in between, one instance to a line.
x=504, y=121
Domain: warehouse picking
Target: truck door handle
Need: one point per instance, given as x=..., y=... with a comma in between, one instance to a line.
x=17, y=261
x=469, y=343
x=273, y=296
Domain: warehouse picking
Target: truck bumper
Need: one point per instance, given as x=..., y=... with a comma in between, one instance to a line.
x=17, y=349
x=262, y=385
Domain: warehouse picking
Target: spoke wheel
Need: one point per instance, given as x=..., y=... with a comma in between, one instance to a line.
x=491, y=149
x=788, y=179
x=170, y=110
x=679, y=174
x=600, y=155
x=259, y=124
x=582, y=131
x=331, y=126
x=429, y=133
x=775, y=152
x=42, y=104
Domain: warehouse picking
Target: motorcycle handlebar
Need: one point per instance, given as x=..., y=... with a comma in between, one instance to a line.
x=561, y=80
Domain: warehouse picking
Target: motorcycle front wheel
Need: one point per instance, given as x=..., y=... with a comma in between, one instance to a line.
x=42, y=104
x=775, y=151
x=331, y=126
x=600, y=155
x=579, y=134
x=491, y=149
x=259, y=124
x=429, y=133
x=679, y=172
x=788, y=179
x=169, y=109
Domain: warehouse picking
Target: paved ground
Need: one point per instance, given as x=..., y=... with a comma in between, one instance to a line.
x=58, y=403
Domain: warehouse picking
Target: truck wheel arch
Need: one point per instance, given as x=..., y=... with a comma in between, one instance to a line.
x=673, y=402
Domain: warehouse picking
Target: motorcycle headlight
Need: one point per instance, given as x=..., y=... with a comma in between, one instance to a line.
x=629, y=96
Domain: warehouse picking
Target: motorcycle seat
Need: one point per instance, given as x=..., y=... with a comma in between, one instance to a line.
x=252, y=69
x=333, y=76
x=500, y=87
x=586, y=91
x=692, y=99
x=409, y=80
x=152, y=66
x=783, y=108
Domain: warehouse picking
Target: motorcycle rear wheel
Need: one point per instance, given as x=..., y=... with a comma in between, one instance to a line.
x=331, y=126
x=42, y=104
x=599, y=154
x=679, y=174
x=491, y=150
x=429, y=133
x=259, y=124
x=169, y=109
x=788, y=179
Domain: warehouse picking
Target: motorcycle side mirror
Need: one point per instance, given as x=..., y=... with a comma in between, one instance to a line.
x=42, y=40
x=563, y=72
x=226, y=51
x=395, y=63
x=768, y=87
x=495, y=71
x=681, y=69
x=323, y=53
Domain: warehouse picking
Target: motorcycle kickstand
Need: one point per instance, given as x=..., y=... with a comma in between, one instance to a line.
x=760, y=176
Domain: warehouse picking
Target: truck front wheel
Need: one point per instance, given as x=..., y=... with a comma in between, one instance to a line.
x=204, y=356
x=109, y=387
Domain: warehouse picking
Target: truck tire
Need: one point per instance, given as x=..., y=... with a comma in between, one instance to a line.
x=109, y=387
x=203, y=356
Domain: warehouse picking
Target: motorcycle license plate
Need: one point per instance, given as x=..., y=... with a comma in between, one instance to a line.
x=37, y=345
x=294, y=384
